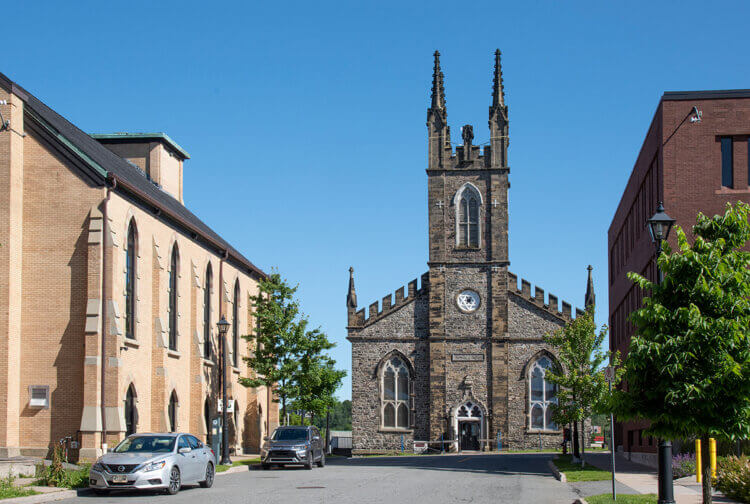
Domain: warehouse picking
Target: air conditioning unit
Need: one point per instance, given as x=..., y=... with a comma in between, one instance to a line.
x=39, y=396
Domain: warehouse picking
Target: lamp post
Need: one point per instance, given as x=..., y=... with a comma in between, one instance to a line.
x=223, y=326
x=659, y=226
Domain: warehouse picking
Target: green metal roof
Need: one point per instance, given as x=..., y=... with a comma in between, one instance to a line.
x=124, y=137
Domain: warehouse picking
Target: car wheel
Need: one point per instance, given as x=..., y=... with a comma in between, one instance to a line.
x=322, y=461
x=309, y=463
x=174, y=481
x=209, y=481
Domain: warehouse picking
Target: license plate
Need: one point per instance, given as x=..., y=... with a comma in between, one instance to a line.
x=119, y=478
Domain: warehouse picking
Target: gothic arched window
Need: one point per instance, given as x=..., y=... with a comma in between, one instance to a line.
x=467, y=202
x=131, y=411
x=173, y=274
x=207, y=313
x=235, y=325
x=542, y=394
x=172, y=411
x=130, y=275
x=395, y=385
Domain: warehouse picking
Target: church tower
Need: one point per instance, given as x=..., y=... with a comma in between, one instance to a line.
x=468, y=261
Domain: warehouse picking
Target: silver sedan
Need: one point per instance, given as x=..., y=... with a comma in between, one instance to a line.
x=154, y=461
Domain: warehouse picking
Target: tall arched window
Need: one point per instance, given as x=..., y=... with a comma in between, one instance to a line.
x=173, y=274
x=130, y=265
x=467, y=202
x=542, y=394
x=207, y=313
x=235, y=325
x=131, y=411
x=395, y=384
x=172, y=411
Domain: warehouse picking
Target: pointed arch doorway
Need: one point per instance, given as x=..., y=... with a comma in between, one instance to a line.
x=468, y=424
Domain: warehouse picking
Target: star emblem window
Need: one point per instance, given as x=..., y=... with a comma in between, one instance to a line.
x=467, y=301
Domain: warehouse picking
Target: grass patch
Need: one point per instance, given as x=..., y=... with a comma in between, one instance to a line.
x=573, y=472
x=220, y=468
x=63, y=478
x=622, y=499
x=9, y=490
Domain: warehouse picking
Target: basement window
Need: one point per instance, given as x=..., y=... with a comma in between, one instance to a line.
x=39, y=396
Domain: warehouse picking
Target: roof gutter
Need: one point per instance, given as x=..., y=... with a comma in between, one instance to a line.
x=111, y=178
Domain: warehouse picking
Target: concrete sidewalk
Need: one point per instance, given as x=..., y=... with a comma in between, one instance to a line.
x=643, y=479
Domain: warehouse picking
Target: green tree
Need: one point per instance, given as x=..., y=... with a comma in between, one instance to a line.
x=317, y=377
x=582, y=389
x=340, y=417
x=277, y=341
x=687, y=367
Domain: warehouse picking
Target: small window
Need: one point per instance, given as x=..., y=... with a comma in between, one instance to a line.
x=194, y=443
x=183, y=442
x=39, y=396
x=727, y=160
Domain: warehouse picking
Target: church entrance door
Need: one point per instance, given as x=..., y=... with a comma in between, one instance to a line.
x=469, y=435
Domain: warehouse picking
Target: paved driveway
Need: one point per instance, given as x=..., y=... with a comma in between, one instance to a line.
x=413, y=480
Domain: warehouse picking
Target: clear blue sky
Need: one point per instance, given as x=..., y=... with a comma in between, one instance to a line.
x=306, y=120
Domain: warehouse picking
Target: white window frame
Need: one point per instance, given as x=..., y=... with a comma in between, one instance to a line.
x=396, y=403
x=545, y=403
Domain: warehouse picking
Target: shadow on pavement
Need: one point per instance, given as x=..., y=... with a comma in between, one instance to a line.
x=508, y=464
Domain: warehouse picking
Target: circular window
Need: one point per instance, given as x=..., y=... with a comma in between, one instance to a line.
x=467, y=301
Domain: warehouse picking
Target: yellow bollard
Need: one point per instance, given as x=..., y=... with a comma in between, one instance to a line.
x=698, y=465
x=712, y=450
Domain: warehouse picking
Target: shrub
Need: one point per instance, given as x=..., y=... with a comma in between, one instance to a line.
x=733, y=478
x=55, y=475
x=683, y=465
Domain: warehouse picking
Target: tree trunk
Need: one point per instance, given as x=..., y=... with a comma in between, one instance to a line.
x=576, y=448
x=706, y=460
x=283, y=411
x=583, y=441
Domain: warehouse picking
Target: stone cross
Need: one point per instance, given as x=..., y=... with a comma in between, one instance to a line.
x=439, y=204
x=495, y=203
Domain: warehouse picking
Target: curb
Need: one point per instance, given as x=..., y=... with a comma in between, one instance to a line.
x=44, y=497
x=556, y=472
x=232, y=470
x=580, y=501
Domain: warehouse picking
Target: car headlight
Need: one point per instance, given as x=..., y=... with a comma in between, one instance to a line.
x=98, y=467
x=300, y=447
x=155, y=466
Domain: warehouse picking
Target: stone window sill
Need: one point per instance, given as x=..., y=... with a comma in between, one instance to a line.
x=468, y=249
x=544, y=432
x=235, y=370
x=131, y=343
x=392, y=430
x=208, y=362
x=729, y=190
x=174, y=354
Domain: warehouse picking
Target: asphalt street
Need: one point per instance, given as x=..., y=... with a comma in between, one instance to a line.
x=416, y=479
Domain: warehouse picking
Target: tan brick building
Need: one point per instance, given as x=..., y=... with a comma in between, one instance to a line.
x=94, y=235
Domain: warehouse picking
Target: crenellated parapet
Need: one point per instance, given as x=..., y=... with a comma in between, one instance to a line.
x=390, y=303
x=552, y=305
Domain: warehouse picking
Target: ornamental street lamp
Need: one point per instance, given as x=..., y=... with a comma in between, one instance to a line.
x=659, y=226
x=223, y=326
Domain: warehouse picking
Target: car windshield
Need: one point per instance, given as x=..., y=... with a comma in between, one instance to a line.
x=155, y=444
x=290, y=435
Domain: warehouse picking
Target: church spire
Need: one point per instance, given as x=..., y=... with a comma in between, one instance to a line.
x=498, y=93
x=351, y=296
x=590, y=297
x=438, y=86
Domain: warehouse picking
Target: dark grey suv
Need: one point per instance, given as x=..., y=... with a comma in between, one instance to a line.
x=293, y=445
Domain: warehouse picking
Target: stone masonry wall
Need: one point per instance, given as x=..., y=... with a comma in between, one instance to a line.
x=528, y=325
x=403, y=330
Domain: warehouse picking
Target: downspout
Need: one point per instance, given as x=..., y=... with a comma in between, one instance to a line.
x=110, y=183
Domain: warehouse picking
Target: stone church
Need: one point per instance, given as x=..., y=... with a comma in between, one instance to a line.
x=458, y=358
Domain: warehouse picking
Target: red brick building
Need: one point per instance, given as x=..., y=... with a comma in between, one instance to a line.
x=694, y=159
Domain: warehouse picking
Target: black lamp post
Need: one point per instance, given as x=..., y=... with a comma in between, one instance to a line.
x=659, y=226
x=223, y=326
